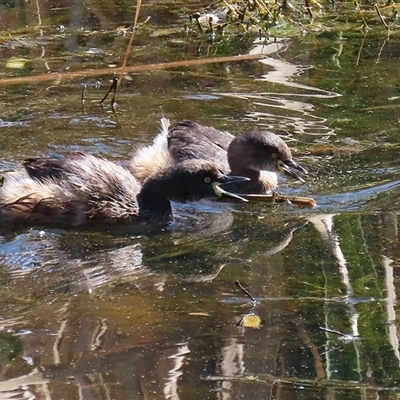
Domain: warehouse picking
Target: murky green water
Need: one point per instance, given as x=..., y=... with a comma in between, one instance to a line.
x=99, y=315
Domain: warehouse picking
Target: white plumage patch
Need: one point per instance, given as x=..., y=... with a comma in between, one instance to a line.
x=147, y=160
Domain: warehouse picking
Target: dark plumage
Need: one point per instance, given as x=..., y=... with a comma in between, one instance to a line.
x=258, y=155
x=189, y=140
x=81, y=189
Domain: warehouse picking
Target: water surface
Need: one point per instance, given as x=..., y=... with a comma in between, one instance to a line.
x=117, y=315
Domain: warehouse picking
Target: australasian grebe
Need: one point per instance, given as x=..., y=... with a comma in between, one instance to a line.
x=82, y=189
x=258, y=155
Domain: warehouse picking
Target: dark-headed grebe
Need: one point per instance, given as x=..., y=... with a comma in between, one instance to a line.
x=81, y=189
x=258, y=155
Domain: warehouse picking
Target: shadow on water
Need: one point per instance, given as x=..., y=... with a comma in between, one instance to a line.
x=133, y=314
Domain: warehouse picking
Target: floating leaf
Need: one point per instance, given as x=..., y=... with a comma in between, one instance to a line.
x=16, y=63
x=251, y=321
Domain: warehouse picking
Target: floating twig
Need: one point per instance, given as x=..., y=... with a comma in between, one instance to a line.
x=280, y=198
x=133, y=68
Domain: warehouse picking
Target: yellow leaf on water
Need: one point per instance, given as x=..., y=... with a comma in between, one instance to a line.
x=16, y=63
x=251, y=321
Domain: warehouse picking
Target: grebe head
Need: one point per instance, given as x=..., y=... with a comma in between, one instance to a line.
x=189, y=180
x=262, y=151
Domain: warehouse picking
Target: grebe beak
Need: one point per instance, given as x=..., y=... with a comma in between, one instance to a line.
x=226, y=180
x=287, y=167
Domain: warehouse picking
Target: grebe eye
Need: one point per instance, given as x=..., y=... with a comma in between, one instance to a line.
x=274, y=155
x=207, y=179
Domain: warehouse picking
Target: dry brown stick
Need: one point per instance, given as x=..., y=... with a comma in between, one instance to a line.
x=116, y=82
x=280, y=198
x=135, y=68
x=128, y=50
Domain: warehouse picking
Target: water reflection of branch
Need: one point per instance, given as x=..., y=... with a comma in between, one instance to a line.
x=381, y=18
x=322, y=383
x=357, y=5
x=341, y=334
x=285, y=242
x=360, y=49
x=113, y=88
x=318, y=363
x=40, y=28
x=283, y=72
x=381, y=49
x=391, y=303
x=337, y=55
